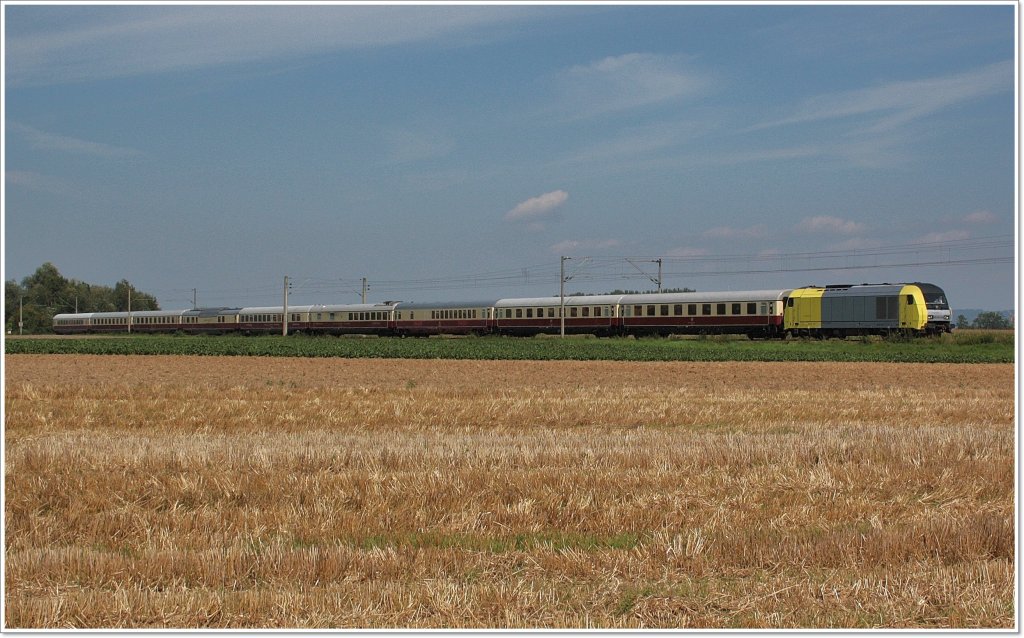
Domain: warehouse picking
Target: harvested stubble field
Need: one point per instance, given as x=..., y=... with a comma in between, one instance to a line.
x=240, y=492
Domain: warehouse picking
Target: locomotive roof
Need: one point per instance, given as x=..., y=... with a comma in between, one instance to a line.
x=444, y=305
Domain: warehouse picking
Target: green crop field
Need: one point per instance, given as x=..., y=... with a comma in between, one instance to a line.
x=967, y=347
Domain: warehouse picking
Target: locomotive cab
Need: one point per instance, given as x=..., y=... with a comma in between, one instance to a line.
x=939, y=314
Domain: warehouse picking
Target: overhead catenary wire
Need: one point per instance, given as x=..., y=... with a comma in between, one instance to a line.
x=615, y=268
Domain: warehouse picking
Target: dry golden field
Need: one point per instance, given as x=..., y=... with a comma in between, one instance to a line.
x=256, y=492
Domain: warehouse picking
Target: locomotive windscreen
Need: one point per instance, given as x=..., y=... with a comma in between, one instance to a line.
x=934, y=297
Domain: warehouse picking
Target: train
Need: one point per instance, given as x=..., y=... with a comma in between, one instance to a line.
x=811, y=311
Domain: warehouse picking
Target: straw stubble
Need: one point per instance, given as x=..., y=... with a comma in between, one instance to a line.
x=235, y=492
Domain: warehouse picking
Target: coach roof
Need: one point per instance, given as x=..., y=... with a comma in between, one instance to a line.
x=445, y=305
x=706, y=297
x=576, y=300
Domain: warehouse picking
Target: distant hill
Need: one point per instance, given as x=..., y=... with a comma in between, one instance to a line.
x=972, y=313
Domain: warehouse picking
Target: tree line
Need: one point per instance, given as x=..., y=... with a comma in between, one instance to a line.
x=46, y=293
x=989, y=320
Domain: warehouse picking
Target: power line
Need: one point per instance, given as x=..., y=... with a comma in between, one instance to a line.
x=604, y=269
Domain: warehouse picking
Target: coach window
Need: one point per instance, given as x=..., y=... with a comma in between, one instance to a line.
x=650, y=311
x=664, y=311
x=736, y=309
x=332, y=316
x=529, y=313
x=705, y=309
x=721, y=308
x=519, y=313
x=574, y=311
x=691, y=309
x=638, y=311
x=677, y=310
x=751, y=308
x=598, y=312
x=910, y=300
x=586, y=311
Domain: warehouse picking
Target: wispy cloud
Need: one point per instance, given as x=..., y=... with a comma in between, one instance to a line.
x=404, y=146
x=28, y=179
x=830, y=225
x=937, y=238
x=109, y=42
x=44, y=141
x=575, y=245
x=894, y=104
x=981, y=217
x=855, y=243
x=625, y=82
x=728, y=232
x=688, y=251
x=538, y=207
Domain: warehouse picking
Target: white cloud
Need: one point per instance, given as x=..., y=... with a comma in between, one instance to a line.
x=109, y=42
x=44, y=141
x=537, y=207
x=938, y=238
x=981, y=217
x=626, y=82
x=573, y=245
x=828, y=224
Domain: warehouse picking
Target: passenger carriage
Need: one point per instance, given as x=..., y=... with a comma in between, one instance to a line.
x=372, y=319
x=595, y=314
x=756, y=313
x=444, y=317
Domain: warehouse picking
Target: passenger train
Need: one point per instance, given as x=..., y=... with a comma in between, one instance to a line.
x=813, y=311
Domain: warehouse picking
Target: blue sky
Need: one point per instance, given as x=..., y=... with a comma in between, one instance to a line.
x=457, y=152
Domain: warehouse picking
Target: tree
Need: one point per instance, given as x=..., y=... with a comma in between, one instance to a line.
x=961, y=322
x=991, y=320
x=12, y=298
x=139, y=300
x=46, y=293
